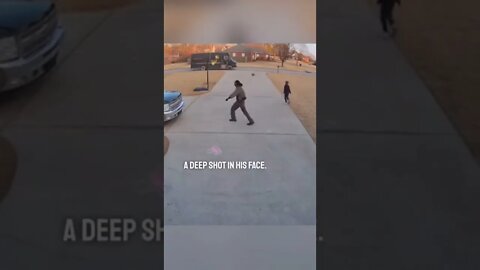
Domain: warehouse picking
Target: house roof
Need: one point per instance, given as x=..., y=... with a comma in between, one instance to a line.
x=246, y=49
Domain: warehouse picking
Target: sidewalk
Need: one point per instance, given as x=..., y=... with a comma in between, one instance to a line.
x=398, y=187
x=284, y=194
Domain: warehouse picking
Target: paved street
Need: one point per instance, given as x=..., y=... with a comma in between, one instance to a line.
x=283, y=194
x=251, y=69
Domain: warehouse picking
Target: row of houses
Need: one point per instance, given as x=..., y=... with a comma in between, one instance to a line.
x=243, y=53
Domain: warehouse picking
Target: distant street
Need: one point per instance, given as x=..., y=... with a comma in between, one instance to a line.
x=252, y=69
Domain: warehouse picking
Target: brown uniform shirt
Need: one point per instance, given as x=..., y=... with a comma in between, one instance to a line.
x=239, y=93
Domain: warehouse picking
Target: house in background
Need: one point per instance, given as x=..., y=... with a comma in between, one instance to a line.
x=300, y=57
x=171, y=59
x=245, y=53
x=307, y=59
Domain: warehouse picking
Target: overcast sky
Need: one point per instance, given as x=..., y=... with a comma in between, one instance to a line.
x=307, y=48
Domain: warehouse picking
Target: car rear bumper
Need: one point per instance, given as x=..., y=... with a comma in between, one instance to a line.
x=24, y=70
x=169, y=115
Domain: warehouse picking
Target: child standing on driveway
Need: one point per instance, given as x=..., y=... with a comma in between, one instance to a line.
x=287, y=92
x=386, y=15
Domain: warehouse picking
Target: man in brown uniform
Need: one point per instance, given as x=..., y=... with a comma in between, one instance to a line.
x=239, y=93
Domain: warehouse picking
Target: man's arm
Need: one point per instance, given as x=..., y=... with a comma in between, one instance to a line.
x=234, y=94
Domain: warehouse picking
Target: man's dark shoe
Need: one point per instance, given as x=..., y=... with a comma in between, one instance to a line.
x=232, y=120
x=250, y=123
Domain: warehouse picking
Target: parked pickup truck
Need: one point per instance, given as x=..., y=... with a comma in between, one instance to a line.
x=172, y=104
x=30, y=36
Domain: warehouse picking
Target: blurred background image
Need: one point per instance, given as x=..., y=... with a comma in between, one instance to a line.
x=240, y=21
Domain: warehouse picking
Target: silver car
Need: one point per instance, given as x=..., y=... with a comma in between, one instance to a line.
x=30, y=36
x=172, y=104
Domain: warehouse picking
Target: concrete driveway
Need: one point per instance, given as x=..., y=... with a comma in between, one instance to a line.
x=283, y=194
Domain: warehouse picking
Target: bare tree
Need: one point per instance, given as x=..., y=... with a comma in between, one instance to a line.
x=283, y=51
x=300, y=56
